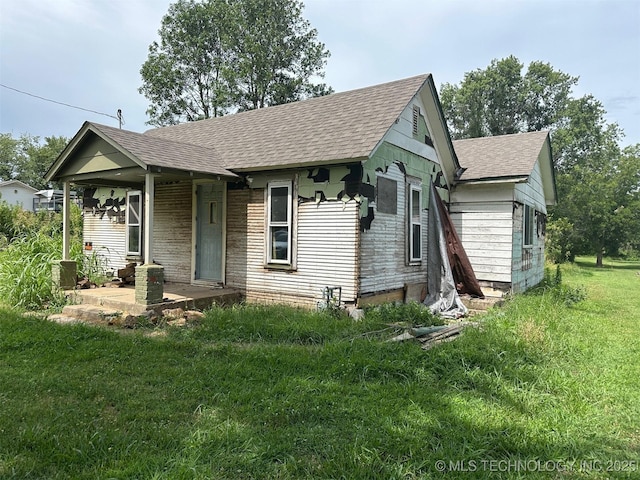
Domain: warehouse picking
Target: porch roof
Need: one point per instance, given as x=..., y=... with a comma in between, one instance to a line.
x=144, y=152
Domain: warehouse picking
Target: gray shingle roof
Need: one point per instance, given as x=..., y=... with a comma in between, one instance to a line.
x=336, y=127
x=500, y=156
x=166, y=153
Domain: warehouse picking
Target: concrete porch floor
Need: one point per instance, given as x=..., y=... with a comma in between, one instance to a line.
x=176, y=295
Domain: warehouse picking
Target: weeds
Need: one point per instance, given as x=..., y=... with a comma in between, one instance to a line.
x=25, y=267
x=29, y=244
x=552, y=285
x=411, y=313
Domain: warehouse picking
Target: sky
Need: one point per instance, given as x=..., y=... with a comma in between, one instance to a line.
x=88, y=53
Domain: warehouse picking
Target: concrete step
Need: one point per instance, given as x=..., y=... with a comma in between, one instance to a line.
x=92, y=314
x=481, y=304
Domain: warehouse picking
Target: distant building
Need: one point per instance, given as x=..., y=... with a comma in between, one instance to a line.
x=15, y=192
x=50, y=200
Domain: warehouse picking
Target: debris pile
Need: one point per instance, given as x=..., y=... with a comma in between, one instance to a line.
x=431, y=336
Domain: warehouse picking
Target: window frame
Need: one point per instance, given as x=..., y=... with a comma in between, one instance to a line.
x=528, y=221
x=412, y=223
x=129, y=223
x=270, y=260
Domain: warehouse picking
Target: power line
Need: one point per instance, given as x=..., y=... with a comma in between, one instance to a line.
x=119, y=117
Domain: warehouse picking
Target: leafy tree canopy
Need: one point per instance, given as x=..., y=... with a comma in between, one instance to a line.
x=220, y=56
x=502, y=100
x=27, y=158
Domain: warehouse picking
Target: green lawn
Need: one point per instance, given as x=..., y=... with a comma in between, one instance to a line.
x=276, y=393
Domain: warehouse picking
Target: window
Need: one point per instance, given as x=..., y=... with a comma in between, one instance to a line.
x=134, y=222
x=528, y=226
x=415, y=223
x=279, y=222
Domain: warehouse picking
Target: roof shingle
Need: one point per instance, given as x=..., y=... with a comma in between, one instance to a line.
x=500, y=156
x=335, y=127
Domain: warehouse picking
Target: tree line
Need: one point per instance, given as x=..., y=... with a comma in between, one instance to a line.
x=216, y=57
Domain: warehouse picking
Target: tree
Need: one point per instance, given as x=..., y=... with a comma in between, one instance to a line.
x=27, y=159
x=501, y=100
x=598, y=185
x=219, y=56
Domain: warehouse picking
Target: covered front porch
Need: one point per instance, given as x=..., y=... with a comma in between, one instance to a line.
x=185, y=240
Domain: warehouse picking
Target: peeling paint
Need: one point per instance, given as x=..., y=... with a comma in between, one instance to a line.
x=103, y=201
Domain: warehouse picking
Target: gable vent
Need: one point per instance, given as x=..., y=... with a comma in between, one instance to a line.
x=416, y=116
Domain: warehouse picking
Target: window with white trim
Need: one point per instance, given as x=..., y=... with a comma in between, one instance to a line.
x=279, y=217
x=134, y=223
x=415, y=223
x=527, y=230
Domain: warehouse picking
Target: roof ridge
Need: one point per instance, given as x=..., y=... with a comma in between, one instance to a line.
x=297, y=104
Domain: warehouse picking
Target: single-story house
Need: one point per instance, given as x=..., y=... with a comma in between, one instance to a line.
x=499, y=207
x=15, y=192
x=285, y=203
x=280, y=202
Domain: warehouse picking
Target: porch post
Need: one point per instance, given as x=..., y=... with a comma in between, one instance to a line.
x=66, y=223
x=149, y=193
x=64, y=272
x=149, y=276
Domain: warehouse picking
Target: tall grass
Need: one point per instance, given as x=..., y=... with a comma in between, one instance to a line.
x=25, y=269
x=30, y=243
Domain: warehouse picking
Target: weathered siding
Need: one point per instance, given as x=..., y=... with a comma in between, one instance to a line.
x=489, y=220
x=528, y=263
x=172, y=230
x=104, y=227
x=325, y=240
x=237, y=238
x=107, y=239
x=383, y=264
x=482, y=216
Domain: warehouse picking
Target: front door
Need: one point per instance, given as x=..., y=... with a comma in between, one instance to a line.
x=208, y=248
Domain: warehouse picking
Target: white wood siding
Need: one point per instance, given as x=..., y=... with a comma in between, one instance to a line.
x=383, y=248
x=325, y=247
x=172, y=230
x=107, y=239
x=485, y=228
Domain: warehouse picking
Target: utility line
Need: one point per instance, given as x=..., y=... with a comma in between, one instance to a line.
x=119, y=117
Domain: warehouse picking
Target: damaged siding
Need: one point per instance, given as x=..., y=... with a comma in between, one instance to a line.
x=172, y=230
x=528, y=263
x=237, y=238
x=482, y=215
x=104, y=227
x=384, y=265
x=406, y=153
x=325, y=240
